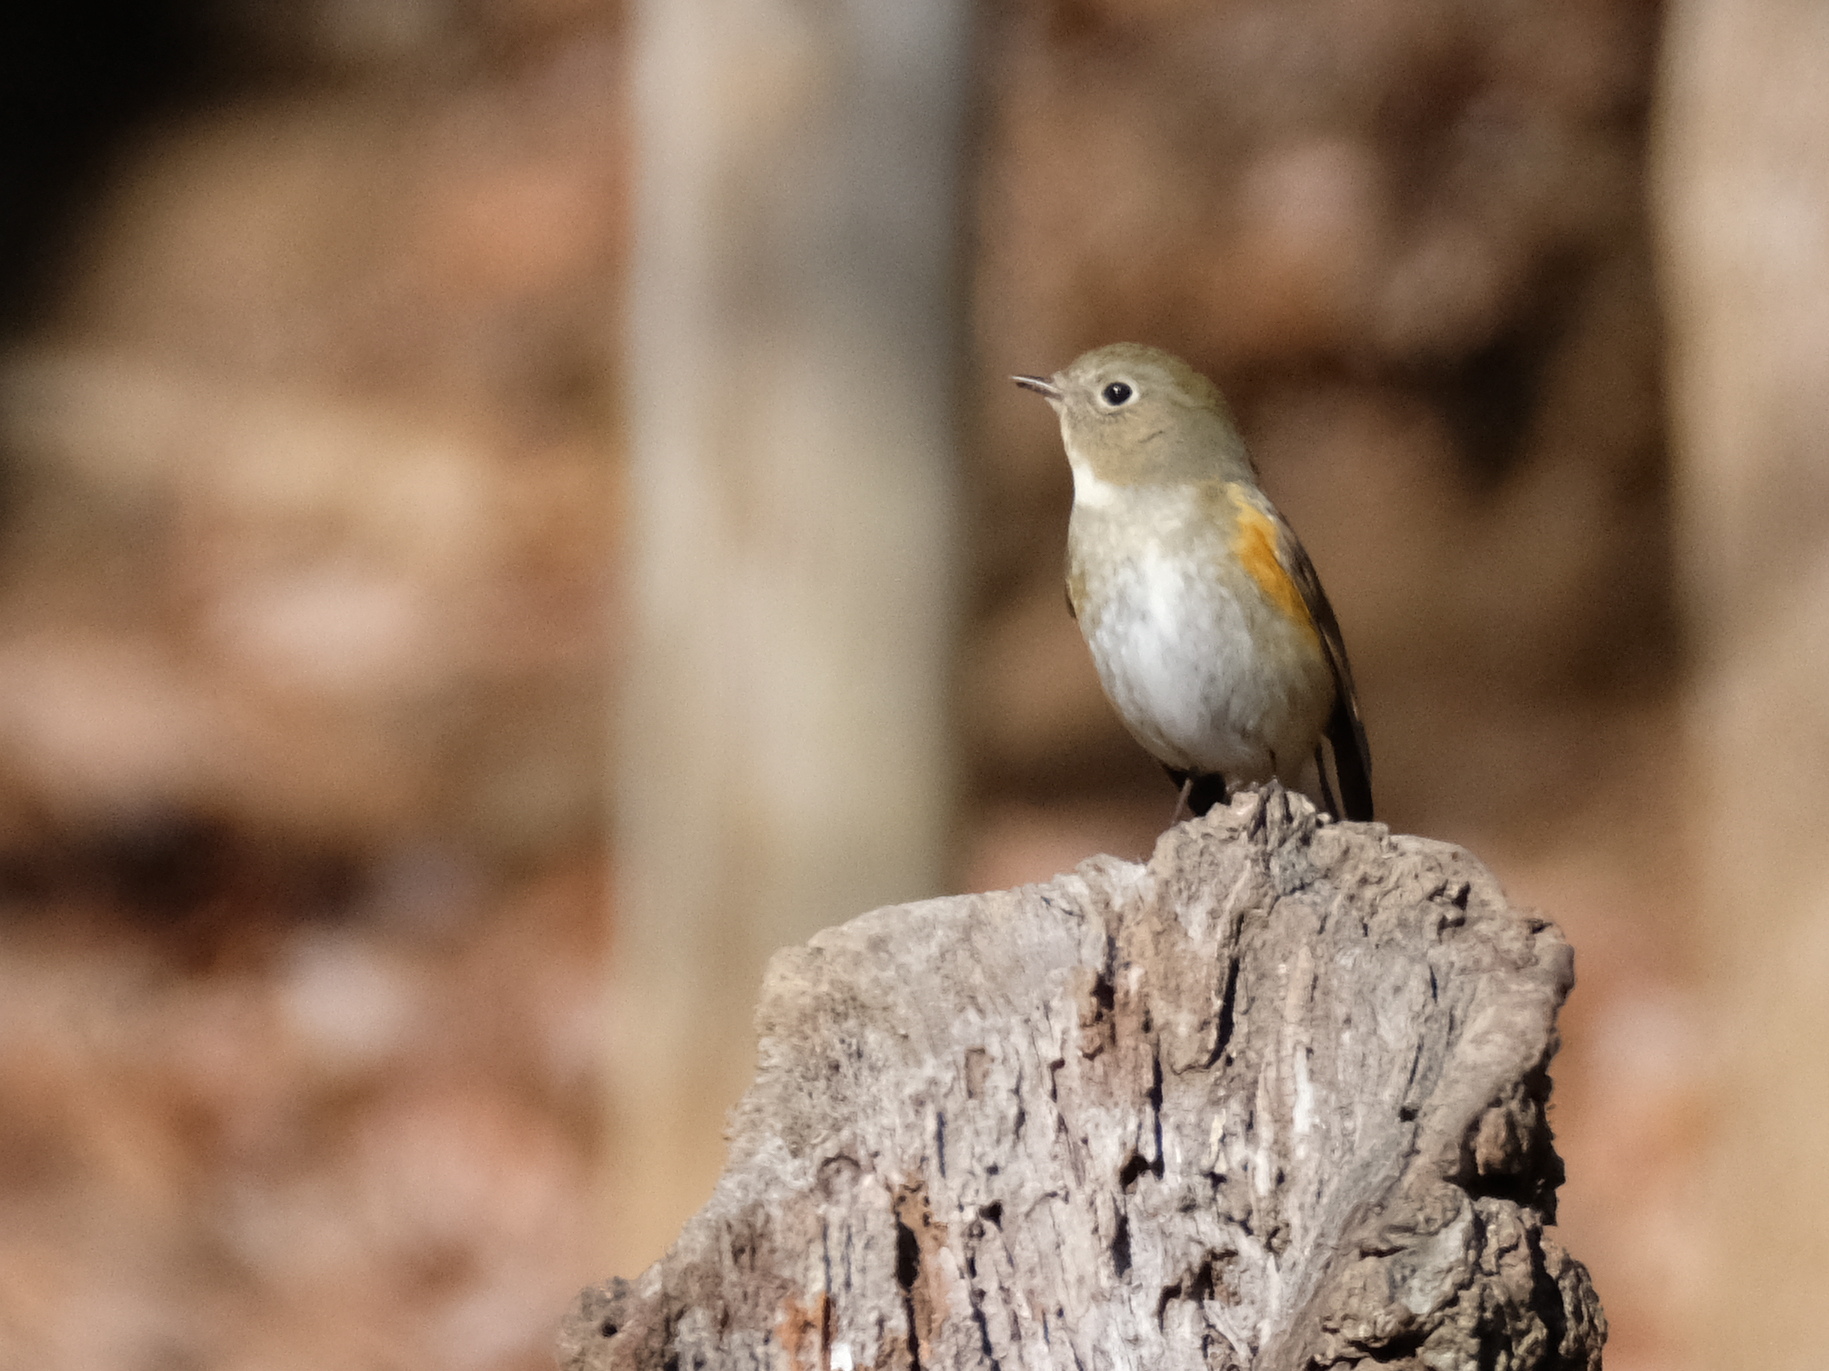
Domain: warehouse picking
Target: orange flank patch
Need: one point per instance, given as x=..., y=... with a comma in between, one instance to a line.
x=1254, y=541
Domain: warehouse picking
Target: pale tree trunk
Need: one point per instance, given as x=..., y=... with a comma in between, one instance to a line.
x=793, y=325
x=1743, y=197
x=1276, y=1100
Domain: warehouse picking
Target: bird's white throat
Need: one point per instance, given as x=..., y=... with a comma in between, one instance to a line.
x=1090, y=490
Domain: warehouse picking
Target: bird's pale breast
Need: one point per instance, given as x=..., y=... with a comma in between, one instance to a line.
x=1206, y=658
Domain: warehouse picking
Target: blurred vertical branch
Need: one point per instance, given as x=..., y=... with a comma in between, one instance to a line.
x=793, y=327
x=1744, y=190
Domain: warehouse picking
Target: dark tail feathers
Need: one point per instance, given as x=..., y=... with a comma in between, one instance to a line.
x=1352, y=762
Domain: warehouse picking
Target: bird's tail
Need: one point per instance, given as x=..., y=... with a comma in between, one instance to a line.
x=1352, y=762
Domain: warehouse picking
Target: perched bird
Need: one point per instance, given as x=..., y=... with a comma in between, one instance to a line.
x=1207, y=623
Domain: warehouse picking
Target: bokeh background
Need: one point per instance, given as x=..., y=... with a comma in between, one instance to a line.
x=346, y=1016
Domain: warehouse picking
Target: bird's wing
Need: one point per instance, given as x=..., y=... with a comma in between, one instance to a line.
x=1345, y=730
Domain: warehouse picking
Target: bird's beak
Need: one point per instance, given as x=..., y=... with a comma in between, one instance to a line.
x=1041, y=385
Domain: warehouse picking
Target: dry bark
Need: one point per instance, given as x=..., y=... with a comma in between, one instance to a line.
x=1274, y=1100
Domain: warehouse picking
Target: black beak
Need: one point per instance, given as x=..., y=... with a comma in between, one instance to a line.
x=1041, y=385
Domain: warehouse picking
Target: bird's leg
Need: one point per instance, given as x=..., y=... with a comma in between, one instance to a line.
x=1198, y=793
x=1328, y=802
x=1182, y=811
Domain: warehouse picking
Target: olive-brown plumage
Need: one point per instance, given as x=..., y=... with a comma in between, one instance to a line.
x=1206, y=622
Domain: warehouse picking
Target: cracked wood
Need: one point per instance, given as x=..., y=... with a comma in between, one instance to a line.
x=1275, y=1100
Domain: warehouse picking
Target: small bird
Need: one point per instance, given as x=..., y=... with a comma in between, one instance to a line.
x=1206, y=621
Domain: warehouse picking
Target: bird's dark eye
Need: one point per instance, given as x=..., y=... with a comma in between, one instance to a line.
x=1117, y=393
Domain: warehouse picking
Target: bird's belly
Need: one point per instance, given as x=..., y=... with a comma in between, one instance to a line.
x=1208, y=676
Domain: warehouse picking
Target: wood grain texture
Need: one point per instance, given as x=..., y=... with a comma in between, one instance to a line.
x=1274, y=1100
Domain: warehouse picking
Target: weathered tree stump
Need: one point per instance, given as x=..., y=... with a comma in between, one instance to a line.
x=1274, y=1100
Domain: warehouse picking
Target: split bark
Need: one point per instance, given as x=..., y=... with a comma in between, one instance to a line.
x=1275, y=1100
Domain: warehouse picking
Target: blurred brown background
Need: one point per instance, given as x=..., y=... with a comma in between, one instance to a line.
x=316, y=575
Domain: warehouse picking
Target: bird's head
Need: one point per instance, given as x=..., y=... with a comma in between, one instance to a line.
x=1136, y=415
